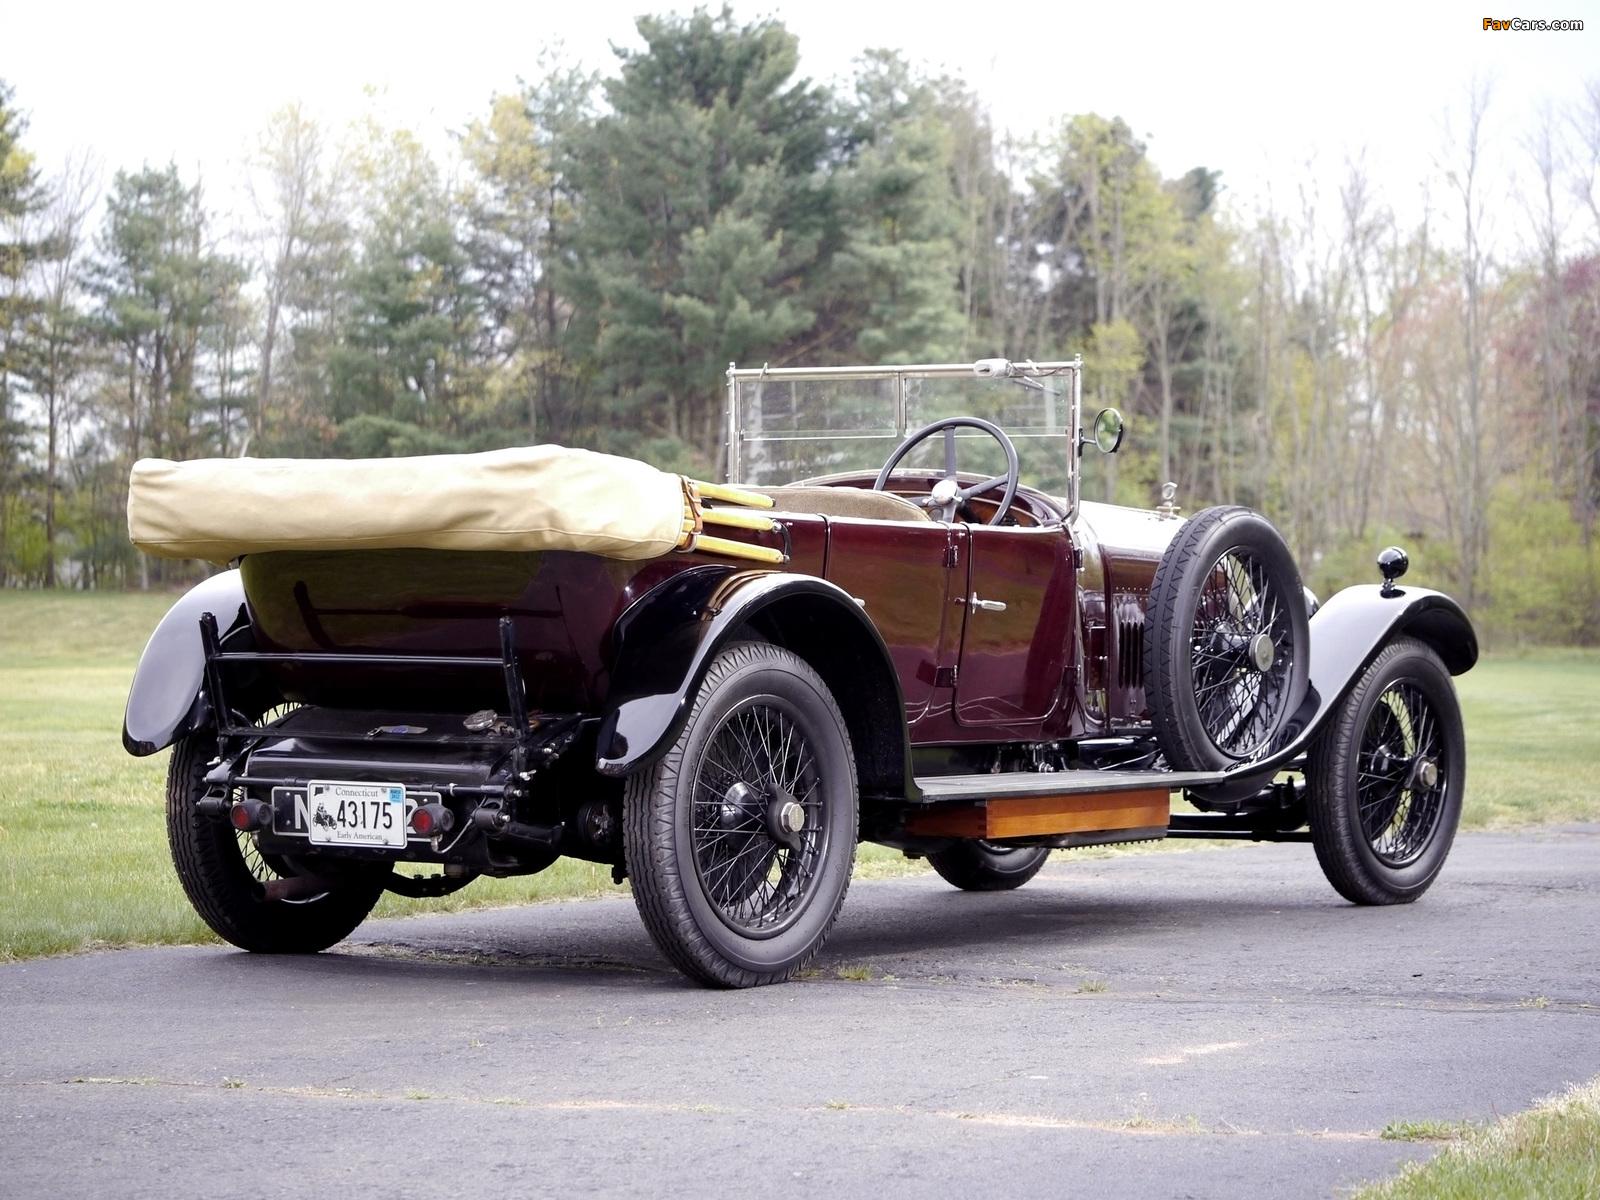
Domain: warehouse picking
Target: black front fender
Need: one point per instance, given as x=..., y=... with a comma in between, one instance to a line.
x=164, y=702
x=666, y=641
x=1347, y=633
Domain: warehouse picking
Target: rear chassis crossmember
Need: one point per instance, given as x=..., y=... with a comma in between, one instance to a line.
x=484, y=779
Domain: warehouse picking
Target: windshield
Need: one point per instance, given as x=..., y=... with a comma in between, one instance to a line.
x=789, y=425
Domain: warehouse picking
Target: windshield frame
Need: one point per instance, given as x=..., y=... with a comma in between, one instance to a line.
x=898, y=375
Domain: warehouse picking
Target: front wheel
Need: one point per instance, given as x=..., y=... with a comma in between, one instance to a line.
x=1385, y=779
x=224, y=874
x=741, y=838
x=979, y=866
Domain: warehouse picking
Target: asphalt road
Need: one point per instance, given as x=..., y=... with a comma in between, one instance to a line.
x=1214, y=1023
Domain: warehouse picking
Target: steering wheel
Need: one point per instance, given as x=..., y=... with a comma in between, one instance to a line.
x=947, y=494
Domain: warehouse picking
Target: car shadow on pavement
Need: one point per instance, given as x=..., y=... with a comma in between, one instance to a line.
x=588, y=943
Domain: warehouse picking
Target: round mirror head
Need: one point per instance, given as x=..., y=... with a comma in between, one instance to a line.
x=1108, y=430
x=1392, y=563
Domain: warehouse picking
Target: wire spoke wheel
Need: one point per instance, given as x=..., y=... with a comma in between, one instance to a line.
x=740, y=839
x=1384, y=779
x=1240, y=702
x=976, y=865
x=1400, y=784
x=756, y=763
x=223, y=872
x=1226, y=665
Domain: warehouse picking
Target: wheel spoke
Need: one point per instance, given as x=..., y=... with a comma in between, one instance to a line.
x=755, y=882
x=1238, y=704
x=969, y=492
x=1397, y=813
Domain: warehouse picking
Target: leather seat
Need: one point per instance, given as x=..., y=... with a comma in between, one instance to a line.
x=845, y=502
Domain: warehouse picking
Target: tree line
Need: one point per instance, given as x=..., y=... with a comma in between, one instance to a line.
x=595, y=249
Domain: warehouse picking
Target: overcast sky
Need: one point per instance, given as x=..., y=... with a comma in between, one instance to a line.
x=1252, y=90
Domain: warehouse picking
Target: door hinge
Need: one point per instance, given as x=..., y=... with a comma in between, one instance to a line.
x=1077, y=558
x=952, y=555
x=945, y=677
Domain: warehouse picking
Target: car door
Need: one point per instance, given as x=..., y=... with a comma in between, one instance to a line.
x=899, y=572
x=1018, y=614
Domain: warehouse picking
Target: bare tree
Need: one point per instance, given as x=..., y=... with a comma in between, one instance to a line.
x=1551, y=318
x=1584, y=119
x=296, y=197
x=1468, y=440
x=58, y=336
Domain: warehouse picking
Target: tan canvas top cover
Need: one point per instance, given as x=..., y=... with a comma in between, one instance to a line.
x=526, y=498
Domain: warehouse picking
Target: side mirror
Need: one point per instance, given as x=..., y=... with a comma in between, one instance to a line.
x=1108, y=430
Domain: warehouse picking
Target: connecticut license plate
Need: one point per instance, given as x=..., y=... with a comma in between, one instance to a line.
x=356, y=814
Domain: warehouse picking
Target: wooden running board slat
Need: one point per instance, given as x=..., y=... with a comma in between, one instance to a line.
x=1040, y=815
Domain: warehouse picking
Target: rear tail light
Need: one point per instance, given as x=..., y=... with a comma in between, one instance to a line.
x=249, y=815
x=431, y=819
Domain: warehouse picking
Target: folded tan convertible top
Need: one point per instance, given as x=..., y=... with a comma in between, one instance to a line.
x=526, y=498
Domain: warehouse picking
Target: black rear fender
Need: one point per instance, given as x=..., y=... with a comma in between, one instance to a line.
x=666, y=641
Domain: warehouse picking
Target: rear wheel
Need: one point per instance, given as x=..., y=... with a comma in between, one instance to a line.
x=1385, y=779
x=741, y=838
x=979, y=866
x=224, y=875
x=1228, y=641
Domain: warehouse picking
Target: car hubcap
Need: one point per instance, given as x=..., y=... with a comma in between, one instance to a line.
x=1425, y=774
x=1262, y=651
x=791, y=817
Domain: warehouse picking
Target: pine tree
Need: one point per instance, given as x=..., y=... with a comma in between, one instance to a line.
x=703, y=213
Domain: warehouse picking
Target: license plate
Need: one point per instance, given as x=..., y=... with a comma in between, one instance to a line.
x=356, y=814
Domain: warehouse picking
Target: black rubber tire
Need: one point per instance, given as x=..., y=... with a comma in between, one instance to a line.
x=658, y=811
x=219, y=884
x=1176, y=595
x=977, y=866
x=1344, y=850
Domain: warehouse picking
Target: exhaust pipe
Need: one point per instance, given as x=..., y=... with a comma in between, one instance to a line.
x=302, y=887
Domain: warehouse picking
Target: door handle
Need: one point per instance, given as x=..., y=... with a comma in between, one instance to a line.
x=974, y=604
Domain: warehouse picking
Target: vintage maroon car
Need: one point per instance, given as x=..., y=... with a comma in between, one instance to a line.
x=901, y=624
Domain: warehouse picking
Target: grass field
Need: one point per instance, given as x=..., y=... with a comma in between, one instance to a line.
x=1550, y=1151
x=83, y=857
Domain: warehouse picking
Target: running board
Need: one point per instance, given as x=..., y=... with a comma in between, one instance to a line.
x=1075, y=805
x=937, y=789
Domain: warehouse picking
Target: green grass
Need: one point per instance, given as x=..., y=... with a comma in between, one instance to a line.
x=1550, y=1151
x=1428, y=1131
x=1533, y=739
x=83, y=858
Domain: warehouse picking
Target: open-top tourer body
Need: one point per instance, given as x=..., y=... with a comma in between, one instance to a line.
x=896, y=620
